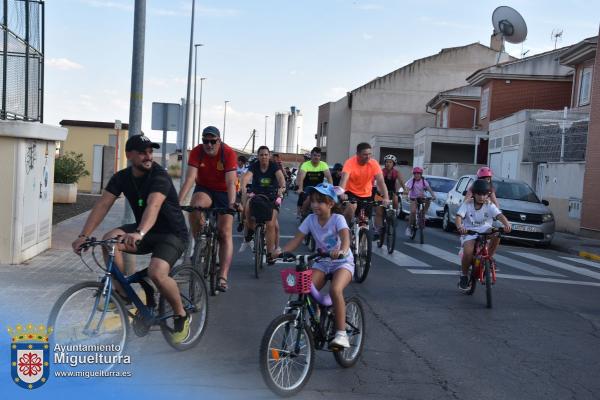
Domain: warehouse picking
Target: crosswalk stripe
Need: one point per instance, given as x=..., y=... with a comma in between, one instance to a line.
x=509, y=262
x=559, y=264
x=583, y=261
x=506, y=276
x=398, y=258
x=437, y=252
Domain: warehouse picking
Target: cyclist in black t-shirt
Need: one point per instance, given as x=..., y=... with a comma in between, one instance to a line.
x=159, y=229
x=265, y=178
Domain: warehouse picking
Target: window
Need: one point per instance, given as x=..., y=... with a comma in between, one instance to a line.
x=485, y=98
x=445, y=117
x=323, y=134
x=462, y=185
x=439, y=119
x=585, y=83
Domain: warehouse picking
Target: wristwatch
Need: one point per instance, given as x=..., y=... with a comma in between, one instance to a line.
x=140, y=232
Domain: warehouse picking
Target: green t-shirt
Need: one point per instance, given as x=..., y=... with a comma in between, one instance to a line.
x=314, y=175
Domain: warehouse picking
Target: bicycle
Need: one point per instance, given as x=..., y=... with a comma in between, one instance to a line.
x=361, y=239
x=419, y=223
x=483, y=267
x=309, y=241
x=388, y=231
x=206, y=248
x=262, y=212
x=289, y=342
x=92, y=313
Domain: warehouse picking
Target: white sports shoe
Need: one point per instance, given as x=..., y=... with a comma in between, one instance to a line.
x=245, y=245
x=340, y=340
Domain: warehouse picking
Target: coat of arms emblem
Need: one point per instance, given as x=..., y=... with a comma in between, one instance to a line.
x=30, y=355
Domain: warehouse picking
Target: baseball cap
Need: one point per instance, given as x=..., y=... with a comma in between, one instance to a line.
x=211, y=131
x=324, y=188
x=140, y=143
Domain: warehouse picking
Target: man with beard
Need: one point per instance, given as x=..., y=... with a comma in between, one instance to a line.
x=159, y=226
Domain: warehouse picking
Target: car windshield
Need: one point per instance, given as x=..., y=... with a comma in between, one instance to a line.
x=515, y=191
x=441, y=185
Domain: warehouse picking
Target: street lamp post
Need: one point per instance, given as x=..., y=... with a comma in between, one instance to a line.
x=225, y=119
x=184, y=156
x=195, y=79
x=266, y=116
x=200, y=110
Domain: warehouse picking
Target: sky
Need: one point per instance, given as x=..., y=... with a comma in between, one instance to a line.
x=264, y=56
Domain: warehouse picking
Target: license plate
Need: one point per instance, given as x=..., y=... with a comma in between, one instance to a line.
x=525, y=228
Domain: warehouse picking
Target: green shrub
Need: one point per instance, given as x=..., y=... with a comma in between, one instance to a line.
x=69, y=168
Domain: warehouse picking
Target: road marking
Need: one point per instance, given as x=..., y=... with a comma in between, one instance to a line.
x=583, y=261
x=437, y=252
x=509, y=262
x=559, y=264
x=506, y=276
x=398, y=258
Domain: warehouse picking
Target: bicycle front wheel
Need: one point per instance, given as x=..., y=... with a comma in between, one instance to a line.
x=363, y=264
x=258, y=250
x=84, y=316
x=390, y=235
x=212, y=266
x=192, y=290
x=355, y=329
x=421, y=227
x=287, y=354
x=488, y=283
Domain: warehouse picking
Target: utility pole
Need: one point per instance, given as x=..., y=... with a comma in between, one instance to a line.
x=135, y=102
x=266, y=116
x=184, y=155
x=225, y=119
x=253, y=139
x=195, y=79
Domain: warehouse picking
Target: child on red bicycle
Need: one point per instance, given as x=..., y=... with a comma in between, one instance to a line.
x=331, y=234
x=478, y=216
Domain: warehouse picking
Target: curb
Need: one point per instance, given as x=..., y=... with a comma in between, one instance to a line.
x=589, y=256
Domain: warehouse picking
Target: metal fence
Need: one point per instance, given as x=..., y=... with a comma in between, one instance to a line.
x=558, y=136
x=22, y=60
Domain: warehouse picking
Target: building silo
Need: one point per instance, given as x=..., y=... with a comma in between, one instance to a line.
x=281, y=132
x=294, y=130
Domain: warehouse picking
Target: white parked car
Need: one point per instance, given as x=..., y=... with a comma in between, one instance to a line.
x=440, y=186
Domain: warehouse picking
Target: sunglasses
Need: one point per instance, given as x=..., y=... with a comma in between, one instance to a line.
x=211, y=141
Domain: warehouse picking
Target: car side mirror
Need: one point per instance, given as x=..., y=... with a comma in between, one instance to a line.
x=464, y=193
x=545, y=202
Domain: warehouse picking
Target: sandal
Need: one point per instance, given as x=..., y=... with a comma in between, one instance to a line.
x=222, y=284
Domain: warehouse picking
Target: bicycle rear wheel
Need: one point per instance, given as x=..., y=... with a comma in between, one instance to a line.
x=363, y=264
x=421, y=226
x=390, y=234
x=355, y=329
x=79, y=318
x=192, y=290
x=258, y=249
x=287, y=355
x=488, y=283
x=382, y=235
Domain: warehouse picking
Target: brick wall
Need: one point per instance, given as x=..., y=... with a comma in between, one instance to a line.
x=590, y=213
x=462, y=117
x=508, y=98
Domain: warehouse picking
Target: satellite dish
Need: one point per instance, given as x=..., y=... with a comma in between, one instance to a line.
x=510, y=24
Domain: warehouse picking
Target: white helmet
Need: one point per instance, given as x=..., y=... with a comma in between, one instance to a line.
x=390, y=157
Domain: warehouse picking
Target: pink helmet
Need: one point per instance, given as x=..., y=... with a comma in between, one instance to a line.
x=417, y=170
x=484, y=172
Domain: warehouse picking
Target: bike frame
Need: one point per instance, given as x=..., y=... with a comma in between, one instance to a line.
x=482, y=253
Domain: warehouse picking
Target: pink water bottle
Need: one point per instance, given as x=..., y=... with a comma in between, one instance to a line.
x=278, y=201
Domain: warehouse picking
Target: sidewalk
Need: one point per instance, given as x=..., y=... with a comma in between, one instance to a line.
x=578, y=245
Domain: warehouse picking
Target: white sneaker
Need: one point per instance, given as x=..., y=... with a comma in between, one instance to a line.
x=245, y=245
x=408, y=231
x=340, y=340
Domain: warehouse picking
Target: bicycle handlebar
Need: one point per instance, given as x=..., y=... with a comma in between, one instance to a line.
x=492, y=231
x=214, y=210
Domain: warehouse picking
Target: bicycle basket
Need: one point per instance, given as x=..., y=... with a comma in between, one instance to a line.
x=261, y=208
x=296, y=282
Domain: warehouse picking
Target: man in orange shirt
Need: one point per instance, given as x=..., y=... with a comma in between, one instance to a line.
x=357, y=179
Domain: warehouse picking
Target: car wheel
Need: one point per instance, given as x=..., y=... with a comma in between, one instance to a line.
x=446, y=224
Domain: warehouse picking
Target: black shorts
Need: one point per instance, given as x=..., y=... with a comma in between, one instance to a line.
x=301, y=198
x=219, y=199
x=166, y=246
x=359, y=205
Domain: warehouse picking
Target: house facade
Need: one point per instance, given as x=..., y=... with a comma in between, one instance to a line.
x=103, y=149
x=388, y=110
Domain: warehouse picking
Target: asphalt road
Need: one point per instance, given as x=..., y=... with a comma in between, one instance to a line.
x=424, y=339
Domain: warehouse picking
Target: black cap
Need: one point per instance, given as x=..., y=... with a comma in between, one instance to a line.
x=211, y=131
x=481, y=186
x=140, y=143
